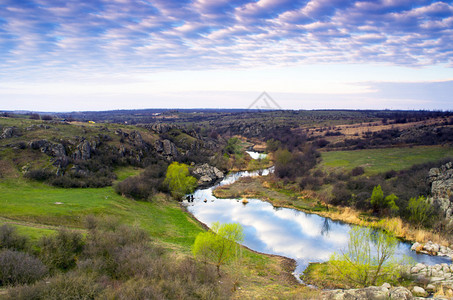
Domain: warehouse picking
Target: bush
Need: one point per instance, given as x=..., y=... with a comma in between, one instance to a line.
x=62, y=250
x=357, y=171
x=39, y=175
x=67, y=286
x=367, y=260
x=108, y=245
x=340, y=195
x=10, y=239
x=20, y=268
x=145, y=185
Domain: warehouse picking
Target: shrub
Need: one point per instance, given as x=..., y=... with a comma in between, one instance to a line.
x=108, y=246
x=357, y=171
x=219, y=245
x=40, y=174
x=10, y=239
x=20, y=268
x=35, y=116
x=62, y=250
x=367, y=260
x=340, y=195
x=62, y=287
x=420, y=210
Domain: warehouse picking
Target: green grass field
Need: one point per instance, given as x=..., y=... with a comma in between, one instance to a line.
x=36, y=206
x=382, y=160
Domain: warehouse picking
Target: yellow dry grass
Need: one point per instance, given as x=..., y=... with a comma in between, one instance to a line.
x=394, y=225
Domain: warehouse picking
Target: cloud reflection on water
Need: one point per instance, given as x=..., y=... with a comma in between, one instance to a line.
x=288, y=232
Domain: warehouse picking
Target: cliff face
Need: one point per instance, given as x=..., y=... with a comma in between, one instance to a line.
x=441, y=180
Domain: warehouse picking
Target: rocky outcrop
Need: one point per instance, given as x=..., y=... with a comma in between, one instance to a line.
x=51, y=149
x=84, y=150
x=166, y=148
x=207, y=174
x=431, y=248
x=370, y=293
x=9, y=132
x=37, y=127
x=441, y=180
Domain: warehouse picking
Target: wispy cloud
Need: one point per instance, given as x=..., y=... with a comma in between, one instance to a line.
x=138, y=35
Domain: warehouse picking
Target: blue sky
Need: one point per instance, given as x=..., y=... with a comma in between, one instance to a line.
x=121, y=54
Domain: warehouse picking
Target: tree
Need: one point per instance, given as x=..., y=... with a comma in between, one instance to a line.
x=420, y=211
x=179, y=181
x=377, y=198
x=381, y=203
x=233, y=146
x=367, y=258
x=219, y=245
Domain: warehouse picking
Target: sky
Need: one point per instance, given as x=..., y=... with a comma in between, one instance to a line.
x=78, y=55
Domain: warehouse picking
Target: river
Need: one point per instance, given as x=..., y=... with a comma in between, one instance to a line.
x=283, y=231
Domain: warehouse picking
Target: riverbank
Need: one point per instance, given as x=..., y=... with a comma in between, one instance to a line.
x=261, y=188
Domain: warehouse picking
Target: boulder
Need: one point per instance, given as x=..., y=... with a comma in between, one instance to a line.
x=371, y=293
x=419, y=291
x=9, y=132
x=207, y=174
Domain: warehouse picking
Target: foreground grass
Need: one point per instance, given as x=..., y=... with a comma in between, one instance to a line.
x=381, y=160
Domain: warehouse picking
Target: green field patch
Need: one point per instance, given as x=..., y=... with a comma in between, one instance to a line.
x=27, y=201
x=125, y=172
x=381, y=160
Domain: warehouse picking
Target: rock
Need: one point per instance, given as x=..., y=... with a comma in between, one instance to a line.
x=51, y=149
x=207, y=174
x=400, y=293
x=166, y=148
x=169, y=148
x=386, y=285
x=415, y=246
x=9, y=132
x=419, y=291
x=441, y=180
x=430, y=288
x=205, y=179
x=83, y=151
x=371, y=293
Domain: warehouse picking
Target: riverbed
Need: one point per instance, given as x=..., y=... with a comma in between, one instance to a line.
x=287, y=232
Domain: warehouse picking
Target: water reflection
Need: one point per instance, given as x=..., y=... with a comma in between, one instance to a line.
x=256, y=155
x=282, y=231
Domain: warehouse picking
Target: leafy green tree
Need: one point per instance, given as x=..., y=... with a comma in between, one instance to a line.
x=381, y=203
x=420, y=211
x=233, y=146
x=219, y=245
x=179, y=180
x=367, y=259
x=377, y=198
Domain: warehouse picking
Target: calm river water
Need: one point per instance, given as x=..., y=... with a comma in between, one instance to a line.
x=282, y=231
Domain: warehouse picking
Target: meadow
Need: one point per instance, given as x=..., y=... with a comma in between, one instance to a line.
x=375, y=161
